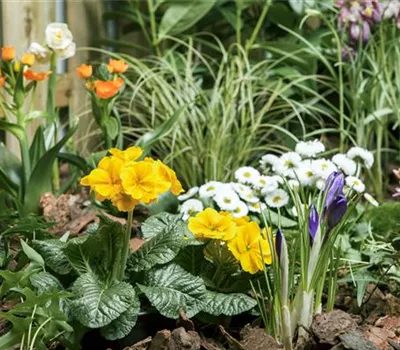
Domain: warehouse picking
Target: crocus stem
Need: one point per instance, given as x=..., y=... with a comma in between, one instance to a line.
x=126, y=246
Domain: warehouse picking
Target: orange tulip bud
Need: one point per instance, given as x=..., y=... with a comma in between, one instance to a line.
x=117, y=66
x=106, y=89
x=84, y=71
x=118, y=82
x=7, y=53
x=31, y=75
x=2, y=80
x=28, y=59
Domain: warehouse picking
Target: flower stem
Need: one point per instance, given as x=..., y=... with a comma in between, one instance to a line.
x=259, y=24
x=126, y=247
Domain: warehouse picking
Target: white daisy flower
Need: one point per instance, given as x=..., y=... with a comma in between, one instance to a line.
x=247, y=174
x=266, y=183
x=320, y=183
x=190, y=207
x=249, y=197
x=189, y=194
x=361, y=155
x=355, y=183
x=288, y=164
x=277, y=198
x=240, y=188
x=371, y=199
x=209, y=189
x=323, y=168
x=306, y=173
x=293, y=184
x=226, y=199
x=268, y=160
x=240, y=210
x=347, y=165
x=254, y=207
x=278, y=179
x=309, y=149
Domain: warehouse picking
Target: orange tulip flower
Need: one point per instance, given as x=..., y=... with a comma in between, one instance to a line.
x=28, y=59
x=31, y=75
x=7, y=53
x=84, y=71
x=118, y=82
x=117, y=66
x=106, y=89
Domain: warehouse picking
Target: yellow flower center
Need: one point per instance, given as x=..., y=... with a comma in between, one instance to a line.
x=247, y=174
x=289, y=164
x=277, y=199
x=210, y=188
x=309, y=173
x=227, y=200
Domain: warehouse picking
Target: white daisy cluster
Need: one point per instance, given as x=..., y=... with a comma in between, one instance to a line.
x=253, y=189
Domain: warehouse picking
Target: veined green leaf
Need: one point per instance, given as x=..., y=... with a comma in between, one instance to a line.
x=171, y=288
x=181, y=16
x=97, y=303
x=227, y=304
x=159, y=223
x=52, y=252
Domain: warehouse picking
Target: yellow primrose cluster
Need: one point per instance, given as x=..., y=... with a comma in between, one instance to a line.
x=125, y=181
x=244, y=238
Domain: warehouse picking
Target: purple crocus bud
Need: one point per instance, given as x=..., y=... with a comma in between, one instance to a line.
x=313, y=222
x=333, y=187
x=336, y=211
x=355, y=31
x=278, y=243
x=366, y=31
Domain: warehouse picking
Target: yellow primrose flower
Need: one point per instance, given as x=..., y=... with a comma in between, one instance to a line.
x=105, y=180
x=211, y=224
x=246, y=248
x=129, y=155
x=142, y=181
x=124, y=202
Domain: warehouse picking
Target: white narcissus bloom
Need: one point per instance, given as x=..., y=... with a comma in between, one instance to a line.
x=226, y=199
x=288, y=163
x=68, y=52
x=189, y=194
x=58, y=36
x=309, y=149
x=247, y=175
x=209, y=189
x=361, y=155
x=355, y=183
x=240, y=210
x=277, y=198
x=42, y=54
x=323, y=168
x=347, y=165
x=190, y=207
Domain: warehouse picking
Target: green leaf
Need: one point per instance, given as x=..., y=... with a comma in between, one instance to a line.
x=45, y=282
x=10, y=165
x=171, y=288
x=161, y=222
x=227, y=304
x=300, y=6
x=122, y=326
x=31, y=253
x=53, y=255
x=161, y=248
x=37, y=114
x=181, y=16
x=167, y=202
x=149, y=139
x=275, y=219
x=112, y=127
x=81, y=251
x=38, y=147
x=97, y=303
x=75, y=160
x=12, y=128
x=40, y=180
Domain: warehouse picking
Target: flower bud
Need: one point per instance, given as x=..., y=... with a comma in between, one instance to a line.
x=7, y=53
x=28, y=59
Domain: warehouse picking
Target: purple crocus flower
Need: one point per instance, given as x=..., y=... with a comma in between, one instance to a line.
x=333, y=187
x=336, y=211
x=313, y=222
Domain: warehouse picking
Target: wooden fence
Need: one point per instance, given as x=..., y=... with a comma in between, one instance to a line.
x=25, y=21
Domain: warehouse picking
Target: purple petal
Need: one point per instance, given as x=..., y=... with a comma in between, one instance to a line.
x=333, y=187
x=336, y=211
x=278, y=243
x=313, y=222
x=366, y=31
